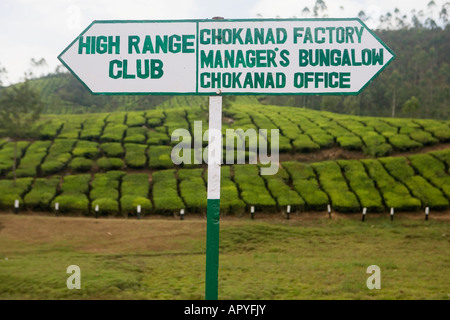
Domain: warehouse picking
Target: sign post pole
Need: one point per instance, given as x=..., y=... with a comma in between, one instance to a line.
x=213, y=202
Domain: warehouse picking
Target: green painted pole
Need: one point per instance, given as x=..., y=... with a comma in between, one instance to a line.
x=212, y=250
x=213, y=204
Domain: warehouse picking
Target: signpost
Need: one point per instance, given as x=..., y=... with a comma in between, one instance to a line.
x=200, y=57
x=225, y=57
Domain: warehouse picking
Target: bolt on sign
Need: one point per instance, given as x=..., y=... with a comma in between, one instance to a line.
x=201, y=57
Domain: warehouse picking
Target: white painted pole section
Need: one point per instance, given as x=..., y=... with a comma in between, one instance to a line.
x=288, y=209
x=57, y=206
x=16, y=206
x=214, y=146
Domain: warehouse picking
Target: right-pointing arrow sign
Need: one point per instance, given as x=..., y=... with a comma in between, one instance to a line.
x=311, y=56
x=203, y=57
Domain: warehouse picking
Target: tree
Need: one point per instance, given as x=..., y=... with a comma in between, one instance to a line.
x=37, y=65
x=362, y=16
x=306, y=12
x=411, y=106
x=394, y=83
x=20, y=107
x=352, y=105
x=443, y=14
x=319, y=6
x=3, y=72
x=330, y=103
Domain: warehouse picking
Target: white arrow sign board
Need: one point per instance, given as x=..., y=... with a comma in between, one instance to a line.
x=204, y=57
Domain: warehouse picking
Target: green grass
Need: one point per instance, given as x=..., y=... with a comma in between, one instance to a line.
x=279, y=260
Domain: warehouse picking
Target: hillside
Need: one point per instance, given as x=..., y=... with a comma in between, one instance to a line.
x=420, y=70
x=123, y=159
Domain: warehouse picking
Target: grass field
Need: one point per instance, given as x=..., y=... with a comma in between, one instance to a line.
x=306, y=257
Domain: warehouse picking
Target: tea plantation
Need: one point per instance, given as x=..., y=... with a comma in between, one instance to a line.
x=117, y=161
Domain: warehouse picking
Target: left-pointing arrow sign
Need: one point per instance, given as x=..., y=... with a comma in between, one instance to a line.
x=132, y=57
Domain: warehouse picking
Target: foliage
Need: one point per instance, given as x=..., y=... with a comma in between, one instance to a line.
x=34, y=155
x=12, y=191
x=165, y=192
x=335, y=185
x=42, y=192
x=282, y=193
x=106, y=164
x=160, y=157
x=81, y=164
x=193, y=189
x=112, y=149
x=395, y=194
x=135, y=191
x=135, y=155
x=252, y=188
x=20, y=108
x=418, y=186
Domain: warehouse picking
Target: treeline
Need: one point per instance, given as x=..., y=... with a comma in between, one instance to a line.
x=415, y=84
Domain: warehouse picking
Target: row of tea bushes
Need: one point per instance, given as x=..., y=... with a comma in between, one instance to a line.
x=394, y=193
x=230, y=202
x=301, y=130
x=402, y=183
x=165, y=192
x=418, y=186
x=33, y=158
x=282, y=193
x=433, y=170
x=135, y=192
x=7, y=154
x=104, y=192
x=334, y=184
x=58, y=156
x=193, y=189
x=10, y=191
x=74, y=195
x=252, y=188
x=362, y=185
x=306, y=185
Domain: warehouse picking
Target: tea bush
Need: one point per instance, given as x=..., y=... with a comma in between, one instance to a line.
x=42, y=192
x=306, y=185
x=135, y=155
x=135, y=190
x=165, y=192
x=334, y=184
x=394, y=193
